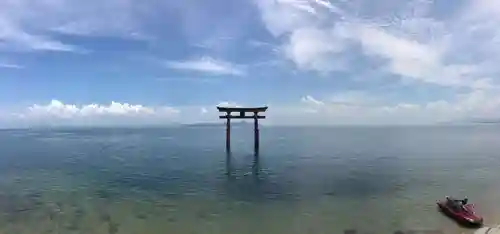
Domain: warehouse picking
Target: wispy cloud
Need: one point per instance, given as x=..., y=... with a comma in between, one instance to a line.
x=10, y=66
x=311, y=101
x=214, y=42
x=260, y=44
x=207, y=65
x=13, y=38
x=34, y=25
x=322, y=36
x=191, y=79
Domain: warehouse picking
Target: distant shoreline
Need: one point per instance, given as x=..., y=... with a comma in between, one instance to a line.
x=249, y=124
x=213, y=124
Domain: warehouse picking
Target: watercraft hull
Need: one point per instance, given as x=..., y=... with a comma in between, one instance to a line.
x=466, y=217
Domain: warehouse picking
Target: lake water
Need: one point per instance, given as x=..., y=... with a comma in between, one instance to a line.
x=306, y=180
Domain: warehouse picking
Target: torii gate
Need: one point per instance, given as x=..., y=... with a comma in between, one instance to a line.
x=242, y=115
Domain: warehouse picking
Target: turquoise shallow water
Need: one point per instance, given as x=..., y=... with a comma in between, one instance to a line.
x=307, y=180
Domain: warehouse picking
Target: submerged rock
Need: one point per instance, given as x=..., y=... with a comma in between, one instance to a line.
x=15, y=204
x=142, y=216
x=113, y=228
x=105, y=217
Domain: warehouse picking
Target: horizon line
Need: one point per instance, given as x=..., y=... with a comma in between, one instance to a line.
x=216, y=124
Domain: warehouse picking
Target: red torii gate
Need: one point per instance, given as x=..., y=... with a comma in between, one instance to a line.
x=242, y=115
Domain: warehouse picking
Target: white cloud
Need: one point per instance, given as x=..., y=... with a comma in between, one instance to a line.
x=57, y=112
x=404, y=41
x=482, y=10
x=13, y=38
x=308, y=44
x=60, y=110
x=10, y=66
x=29, y=25
x=411, y=59
x=228, y=104
x=315, y=49
x=207, y=65
x=465, y=108
x=312, y=101
x=313, y=105
x=282, y=16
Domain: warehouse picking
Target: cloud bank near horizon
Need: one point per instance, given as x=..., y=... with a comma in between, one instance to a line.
x=343, y=109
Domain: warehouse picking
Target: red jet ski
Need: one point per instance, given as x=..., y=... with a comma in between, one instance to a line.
x=460, y=211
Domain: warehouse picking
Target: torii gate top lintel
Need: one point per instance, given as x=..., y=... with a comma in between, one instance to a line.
x=244, y=109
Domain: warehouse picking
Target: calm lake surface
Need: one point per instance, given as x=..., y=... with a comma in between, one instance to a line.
x=306, y=179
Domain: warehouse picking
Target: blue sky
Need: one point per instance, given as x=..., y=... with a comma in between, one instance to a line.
x=312, y=61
